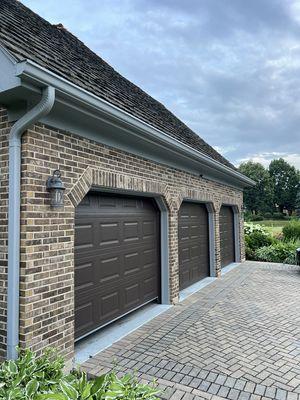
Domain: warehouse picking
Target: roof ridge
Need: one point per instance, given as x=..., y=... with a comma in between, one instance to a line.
x=22, y=31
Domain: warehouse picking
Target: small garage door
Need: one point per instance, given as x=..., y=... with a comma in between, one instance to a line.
x=227, y=236
x=193, y=243
x=117, y=260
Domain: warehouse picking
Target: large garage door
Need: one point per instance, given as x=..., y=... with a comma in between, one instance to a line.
x=117, y=260
x=193, y=243
x=227, y=236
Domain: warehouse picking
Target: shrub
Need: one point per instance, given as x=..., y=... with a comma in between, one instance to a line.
x=268, y=215
x=256, y=236
x=22, y=379
x=279, y=215
x=33, y=378
x=248, y=216
x=250, y=254
x=250, y=228
x=257, y=218
x=255, y=240
x=292, y=230
x=280, y=252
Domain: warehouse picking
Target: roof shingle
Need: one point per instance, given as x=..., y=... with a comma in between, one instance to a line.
x=28, y=36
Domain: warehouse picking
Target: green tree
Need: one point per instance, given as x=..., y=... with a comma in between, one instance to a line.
x=297, y=207
x=286, y=181
x=258, y=198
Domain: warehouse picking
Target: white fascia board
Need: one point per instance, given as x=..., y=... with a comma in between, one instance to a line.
x=34, y=73
x=8, y=79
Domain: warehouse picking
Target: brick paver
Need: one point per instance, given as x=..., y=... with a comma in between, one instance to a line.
x=238, y=338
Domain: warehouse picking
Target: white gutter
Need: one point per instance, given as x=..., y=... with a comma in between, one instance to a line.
x=13, y=281
x=34, y=73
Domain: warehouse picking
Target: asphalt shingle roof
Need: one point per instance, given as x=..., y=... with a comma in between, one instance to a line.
x=28, y=36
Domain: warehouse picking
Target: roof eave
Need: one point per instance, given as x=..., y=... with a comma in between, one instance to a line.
x=29, y=71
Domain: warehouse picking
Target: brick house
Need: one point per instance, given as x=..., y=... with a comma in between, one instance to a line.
x=149, y=207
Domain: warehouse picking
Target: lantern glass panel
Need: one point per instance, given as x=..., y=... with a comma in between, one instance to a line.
x=57, y=198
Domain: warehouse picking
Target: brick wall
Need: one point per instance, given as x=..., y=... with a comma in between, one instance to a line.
x=4, y=130
x=47, y=236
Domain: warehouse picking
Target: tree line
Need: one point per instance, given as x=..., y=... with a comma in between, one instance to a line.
x=277, y=187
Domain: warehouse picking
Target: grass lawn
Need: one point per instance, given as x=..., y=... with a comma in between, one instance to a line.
x=274, y=226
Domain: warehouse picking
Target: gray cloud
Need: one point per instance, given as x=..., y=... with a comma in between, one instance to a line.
x=229, y=69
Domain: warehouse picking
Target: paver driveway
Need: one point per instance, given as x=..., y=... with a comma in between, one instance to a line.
x=238, y=338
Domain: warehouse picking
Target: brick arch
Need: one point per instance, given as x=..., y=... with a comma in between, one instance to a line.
x=198, y=195
x=227, y=200
x=113, y=180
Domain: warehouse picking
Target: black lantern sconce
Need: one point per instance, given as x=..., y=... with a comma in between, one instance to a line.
x=56, y=189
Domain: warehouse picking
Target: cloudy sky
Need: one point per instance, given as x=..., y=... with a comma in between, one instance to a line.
x=230, y=69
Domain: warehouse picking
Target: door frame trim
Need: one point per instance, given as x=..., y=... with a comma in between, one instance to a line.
x=236, y=230
x=164, y=233
x=211, y=232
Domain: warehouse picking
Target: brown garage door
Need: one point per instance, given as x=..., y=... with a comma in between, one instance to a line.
x=193, y=243
x=117, y=260
x=227, y=236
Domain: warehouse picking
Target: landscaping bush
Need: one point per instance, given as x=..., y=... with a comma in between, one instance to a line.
x=279, y=252
x=268, y=215
x=292, y=230
x=255, y=217
x=255, y=240
x=251, y=228
x=279, y=215
x=33, y=378
x=256, y=236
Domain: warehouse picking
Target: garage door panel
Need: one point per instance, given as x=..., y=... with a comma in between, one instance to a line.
x=195, y=232
x=84, y=235
x=84, y=316
x=193, y=244
x=109, y=234
x=131, y=230
x=106, y=201
x=149, y=257
x=109, y=305
x=122, y=265
x=108, y=270
x=149, y=288
x=132, y=295
x=185, y=279
x=195, y=252
x=84, y=275
x=132, y=263
x=184, y=255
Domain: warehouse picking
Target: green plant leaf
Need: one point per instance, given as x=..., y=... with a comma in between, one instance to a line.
x=110, y=395
x=68, y=390
x=32, y=387
x=51, y=396
x=86, y=392
x=12, y=367
x=98, y=384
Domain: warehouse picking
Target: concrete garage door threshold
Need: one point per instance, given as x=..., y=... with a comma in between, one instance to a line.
x=107, y=336
x=115, y=331
x=204, y=282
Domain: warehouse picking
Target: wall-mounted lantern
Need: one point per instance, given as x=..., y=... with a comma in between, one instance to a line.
x=56, y=189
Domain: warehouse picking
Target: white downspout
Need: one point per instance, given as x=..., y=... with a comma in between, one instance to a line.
x=14, y=202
